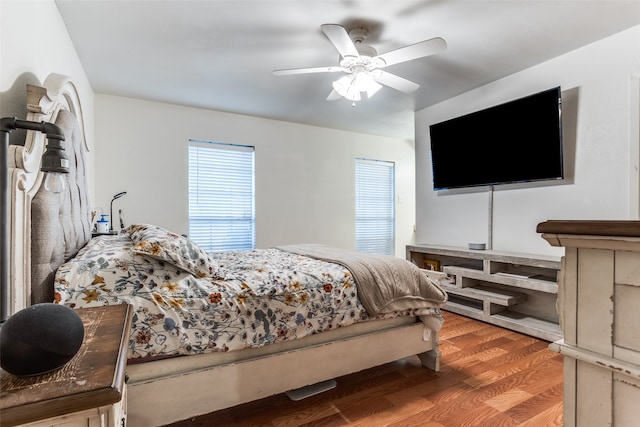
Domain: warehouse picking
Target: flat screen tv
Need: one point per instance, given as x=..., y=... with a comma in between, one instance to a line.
x=518, y=141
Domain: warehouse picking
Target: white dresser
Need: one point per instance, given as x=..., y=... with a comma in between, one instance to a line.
x=599, y=307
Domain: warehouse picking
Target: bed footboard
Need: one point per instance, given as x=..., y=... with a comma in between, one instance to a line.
x=164, y=399
x=431, y=358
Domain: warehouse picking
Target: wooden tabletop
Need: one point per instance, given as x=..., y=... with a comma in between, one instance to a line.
x=591, y=228
x=93, y=378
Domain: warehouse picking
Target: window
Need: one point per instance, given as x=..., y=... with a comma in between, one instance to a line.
x=375, y=208
x=221, y=196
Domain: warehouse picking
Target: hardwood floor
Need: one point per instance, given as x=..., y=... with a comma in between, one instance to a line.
x=489, y=377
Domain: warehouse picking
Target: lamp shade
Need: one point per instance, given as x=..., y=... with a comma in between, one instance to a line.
x=366, y=83
x=40, y=339
x=346, y=87
x=351, y=85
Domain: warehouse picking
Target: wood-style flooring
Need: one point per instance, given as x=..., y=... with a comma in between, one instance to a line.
x=489, y=377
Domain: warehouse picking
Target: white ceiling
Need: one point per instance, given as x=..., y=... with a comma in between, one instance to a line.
x=220, y=54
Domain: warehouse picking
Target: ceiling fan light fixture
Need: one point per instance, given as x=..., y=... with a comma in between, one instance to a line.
x=352, y=84
x=346, y=87
x=365, y=82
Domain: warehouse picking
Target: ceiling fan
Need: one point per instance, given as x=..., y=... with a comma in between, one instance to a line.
x=363, y=66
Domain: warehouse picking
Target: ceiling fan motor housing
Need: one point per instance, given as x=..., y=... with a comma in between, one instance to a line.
x=358, y=34
x=366, y=50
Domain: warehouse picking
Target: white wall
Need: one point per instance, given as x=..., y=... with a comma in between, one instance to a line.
x=599, y=84
x=34, y=43
x=304, y=174
x=303, y=165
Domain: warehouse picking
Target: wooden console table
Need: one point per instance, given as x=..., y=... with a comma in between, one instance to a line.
x=89, y=390
x=599, y=300
x=512, y=290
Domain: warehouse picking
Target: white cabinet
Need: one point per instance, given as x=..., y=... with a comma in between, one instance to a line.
x=105, y=416
x=513, y=290
x=599, y=300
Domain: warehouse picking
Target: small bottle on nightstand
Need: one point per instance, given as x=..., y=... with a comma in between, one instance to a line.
x=102, y=226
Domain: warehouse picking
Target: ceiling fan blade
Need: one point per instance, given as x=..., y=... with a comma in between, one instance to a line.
x=414, y=51
x=307, y=70
x=396, y=82
x=333, y=96
x=338, y=35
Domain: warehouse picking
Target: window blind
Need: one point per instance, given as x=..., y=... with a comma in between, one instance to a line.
x=221, y=196
x=375, y=207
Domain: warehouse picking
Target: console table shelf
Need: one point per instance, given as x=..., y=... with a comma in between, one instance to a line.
x=511, y=290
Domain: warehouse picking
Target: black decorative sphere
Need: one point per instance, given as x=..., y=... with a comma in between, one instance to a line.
x=39, y=339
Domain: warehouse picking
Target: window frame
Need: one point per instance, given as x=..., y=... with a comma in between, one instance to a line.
x=213, y=225
x=365, y=233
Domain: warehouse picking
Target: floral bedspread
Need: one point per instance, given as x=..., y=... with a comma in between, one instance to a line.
x=250, y=299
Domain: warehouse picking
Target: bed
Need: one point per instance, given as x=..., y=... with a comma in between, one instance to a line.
x=210, y=331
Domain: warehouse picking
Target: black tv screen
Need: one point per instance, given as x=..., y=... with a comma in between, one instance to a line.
x=518, y=141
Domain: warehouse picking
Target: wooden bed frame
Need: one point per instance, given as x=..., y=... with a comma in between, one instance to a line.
x=168, y=391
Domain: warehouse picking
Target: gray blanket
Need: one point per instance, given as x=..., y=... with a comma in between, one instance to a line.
x=385, y=283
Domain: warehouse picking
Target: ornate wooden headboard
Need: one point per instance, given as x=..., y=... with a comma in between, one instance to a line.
x=46, y=229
